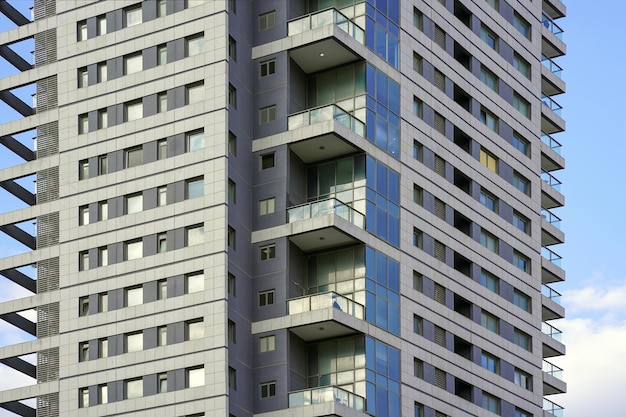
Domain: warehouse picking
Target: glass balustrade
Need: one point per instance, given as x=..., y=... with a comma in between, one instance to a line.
x=551, y=218
x=551, y=26
x=551, y=331
x=552, y=369
x=551, y=104
x=324, y=114
x=326, y=395
x=551, y=294
x=324, y=207
x=551, y=180
x=552, y=408
x=551, y=142
x=324, y=18
x=325, y=300
x=551, y=65
x=551, y=256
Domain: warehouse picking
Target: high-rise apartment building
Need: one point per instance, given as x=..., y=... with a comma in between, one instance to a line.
x=281, y=207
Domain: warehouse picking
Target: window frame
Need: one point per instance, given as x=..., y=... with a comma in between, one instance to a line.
x=267, y=68
x=131, y=246
x=267, y=114
x=267, y=252
x=267, y=21
x=267, y=389
x=267, y=297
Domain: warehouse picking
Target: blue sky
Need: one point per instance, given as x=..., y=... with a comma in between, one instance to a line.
x=593, y=220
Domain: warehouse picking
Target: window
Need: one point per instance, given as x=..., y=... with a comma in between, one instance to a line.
x=419, y=410
x=134, y=203
x=161, y=242
x=103, y=302
x=521, y=222
x=194, y=282
x=521, y=25
x=134, y=249
x=521, y=261
x=103, y=348
x=162, y=335
x=83, y=123
x=439, y=123
x=418, y=368
x=232, y=331
x=103, y=164
x=232, y=191
x=162, y=382
x=103, y=256
x=418, y=150
x=232, y=378
x=83, y=259
x=83, y=306
x=523, y=379
x=195, y=377
x=133, y=388
x=489, y=241
x=134, y=296
x=440, y=378
x=417, y=281
x=521, y=144
x=194, y=187
x=488, y=200
x=440, y=80
x=489, y=281
x=195, y=93
x=488, y=160
x=268, y=161
x=491, y=403
x=83, y=351
x=267, y=343
x=489, y=37
x=103, y=210
x=162, y=54
x=521, y=300
x=522, y=340
x=232, y=48
x=440, y=251
x=418, y=63
x=490, y=362
x=268, y=67
x=161, y=196
x=489, y=78
x=134, y=157
x=132, y=15
x=161, y=8
x=83, y=215
x=133, y=342
x=489, y=119
x=103, y=394
x=418, y=194
x=268, y=389
x=418, y=326
x=267, y=20
x=418, y=238
x=232, y=6
x=418, y=19
x=267, y=114
x=489, y=321
x=521, y=183
x=521, y=104
x=232, y=96
x=493, y=3
x=440, y=166
x=162, y=102
x=232, y=238
x=521, y=65
x=162, y=289
x=101, y=25
x=521, y=413
x=417, y=107
x=266, y=298
x=161, y=149
x=83, y=80
x=267, y=206
x=267, y=252
x=83, y=397
x=194, y=235
x=81, y=31
x=231, y=285
x=195, y=330
x=232, y=144
x=195, y=140
x=195, y=45
x=133, y=63
x=133, y=110
x=440, y=37
x=102, y=71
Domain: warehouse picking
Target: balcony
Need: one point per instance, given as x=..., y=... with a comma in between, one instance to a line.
x=551, y=234
x=551, y=197
x=551, y=331
x=552, y=27
x=324, y=207
x=551, y=307
x=552, y=409
x=551, y=218
x=551, y=142
x=552, y=66
x=326, y=395
x=550, y=272
x=553, y=8
x=551, y=341
x=551, y=104
x=325, y=300
x=551, y=256
x=552, y=44
x=553, y=379
x=552, y=370
x=324, y=18
x=551, y=159
x=551, y=294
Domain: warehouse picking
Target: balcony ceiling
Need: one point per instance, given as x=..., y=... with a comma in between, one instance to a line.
x=322, y=330
x=309, y=57
x=322, y=148
x=320, y=239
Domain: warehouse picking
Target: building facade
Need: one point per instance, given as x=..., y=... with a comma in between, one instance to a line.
x=282, y=207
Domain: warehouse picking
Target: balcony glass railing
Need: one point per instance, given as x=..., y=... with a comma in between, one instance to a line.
x=551, y=142
x=551, y=256
x=326, y=395
x=324, y=18
x=551, y=104
x=551, y=180
x=324, y=114
x=551, y=294
x=552, y=408
x=324, y=207
x=552, y=369
x=551, y=65
x=325, y=300
x=551, y=26
x=551, y=218
x=551, y=331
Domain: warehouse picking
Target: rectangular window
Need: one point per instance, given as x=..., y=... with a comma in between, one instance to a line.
x=523, y=379
x=268, y=160
x=83, y=80
x=83, y=397
x=195, y=92
x=417, y=107
x=103, y=256
x=103, y=210
x=267, y=20
x=102, y=71
x=133, y=296
x=103, y=165
x=162, y=102
x=440, y=37
x=268, y=389
x=232, y=378
x=267, y=114
x=489, y=78
x=103, y=348
x=417, y=281
x=489, y=37
x=194, y=235
x=418, y=368
x=132, y=16
x=417, y=238
x=522, y=340
x=195, y=140
x=195, y=377
x=134, y=157
x=232, y=238
x=488, y=200
x=232, y=96
x=418, y=19
x=162, y=54
x=489, y=281
x=195, y=44
x=489, y=160
x=133, y=342
x=162, y=289
x=101, y=25
x=161, y=8
x=521, y=144
x=493, y=3
x=133, y=63
x=418, y=150
x=134, y=249
x=266, y=298
x=194, y=282
x=81, y=31
x=417, y=324
x=83, y=306
x=521, y=183
x=232, y=191
x=440, y=80
x=267, y=252
x=232, y=144
x=521, y=104
x=521, y=222
x=489, y=241
x=232, y=285
x=521, y=300
x=232, y=6
x=489, y=119
x=162, y=382
x=268, y=67
x=521, y=413
x=267, y=206
x=521, y=25
x=521, y=65
x=232, y=48
x=232, y=331
x=194, y=188
x=161, y=242
x=103, y=394
x=162, y=196
x=133, y=110
x=103, y=302
x=194, y=330
x=83, y=215
x=133, y=388
x=440, y=166
x=418, y=63
x=521, y=261
x=267, y=343
x=491, y=403
x=83, y=261
x=440, y=378
x=134, y=203
x=489, y=321
x=83, y=123
x=490, y=362
x=418, y=194
x=162, y=335
x=161, y=149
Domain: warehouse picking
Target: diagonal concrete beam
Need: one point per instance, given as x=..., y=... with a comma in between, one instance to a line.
x=10, y=12
x=19, y=409
x=21, y=365
x=16, y=103
x=18, y=148
x=19, y=235
x=20, y=279
x=19, y=191
x=14, y=58
x=20, y=322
